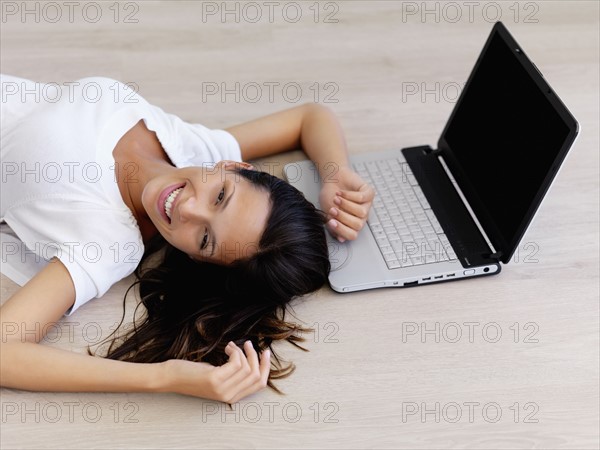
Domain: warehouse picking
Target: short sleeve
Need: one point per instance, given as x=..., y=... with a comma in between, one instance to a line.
x=189, y=144
x=98, y=245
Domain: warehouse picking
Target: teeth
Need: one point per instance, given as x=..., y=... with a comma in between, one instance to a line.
x=169, y=201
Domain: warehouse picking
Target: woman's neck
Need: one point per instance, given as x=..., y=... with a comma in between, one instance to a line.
x=139, y=157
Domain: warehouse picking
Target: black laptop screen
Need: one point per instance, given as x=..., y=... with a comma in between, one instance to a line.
x=505, y=134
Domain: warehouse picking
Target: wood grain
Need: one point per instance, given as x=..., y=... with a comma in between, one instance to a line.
x=374, y=377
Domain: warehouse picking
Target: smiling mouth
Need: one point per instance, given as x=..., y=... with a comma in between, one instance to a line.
x=170, y=200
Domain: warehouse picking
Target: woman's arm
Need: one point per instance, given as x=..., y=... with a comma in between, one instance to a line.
x=26, y=364
x=310, y=127
x=314, y=128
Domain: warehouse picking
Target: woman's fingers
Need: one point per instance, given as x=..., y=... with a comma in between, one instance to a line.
x=246, y=375
x=236, y=164
x=347, y=205
x=256, y=385
x=351, y=221
x=332, y=226
x=358, y=210
x=364, y=195
x=251, y=357
x=244, y=366
x=265, y=366
x=342, y=231
x=231, y=367
x=348, y=216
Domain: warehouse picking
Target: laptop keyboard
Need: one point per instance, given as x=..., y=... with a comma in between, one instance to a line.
x=404, y=225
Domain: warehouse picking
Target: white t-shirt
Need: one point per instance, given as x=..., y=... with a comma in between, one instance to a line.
x=59, y=193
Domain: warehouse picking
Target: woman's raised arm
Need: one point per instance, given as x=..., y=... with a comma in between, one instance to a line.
x=311, y=127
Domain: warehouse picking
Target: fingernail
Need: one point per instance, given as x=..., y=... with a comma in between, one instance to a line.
x=267, y=353
x=333, y=223
x=341, y=239
x=337, y=201
x=333, y=211
x=339, y=193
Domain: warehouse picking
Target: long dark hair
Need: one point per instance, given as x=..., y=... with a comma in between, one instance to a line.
x=193, y=309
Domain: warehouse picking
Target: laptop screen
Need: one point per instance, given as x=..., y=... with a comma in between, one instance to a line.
x=505, y=140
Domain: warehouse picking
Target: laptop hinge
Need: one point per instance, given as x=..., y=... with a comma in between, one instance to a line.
x=496, y=255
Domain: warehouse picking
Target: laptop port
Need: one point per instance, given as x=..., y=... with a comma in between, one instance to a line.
x=411, y=283
x=450, y=275
x=438, y=277
x=427, y=279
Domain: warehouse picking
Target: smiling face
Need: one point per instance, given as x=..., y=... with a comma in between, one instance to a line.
x=213, y=215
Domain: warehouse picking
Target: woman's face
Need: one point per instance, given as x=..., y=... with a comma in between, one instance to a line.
x=212, y=214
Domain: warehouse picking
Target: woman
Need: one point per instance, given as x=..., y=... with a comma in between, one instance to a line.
x=98, y=180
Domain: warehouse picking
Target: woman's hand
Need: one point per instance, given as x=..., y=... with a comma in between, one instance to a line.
x=347, y=199
x=239, y=377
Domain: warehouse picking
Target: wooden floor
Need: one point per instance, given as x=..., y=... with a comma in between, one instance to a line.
x=386, y=368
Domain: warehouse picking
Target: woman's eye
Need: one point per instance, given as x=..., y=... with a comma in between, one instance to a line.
x=221, y=195
x=204, y=241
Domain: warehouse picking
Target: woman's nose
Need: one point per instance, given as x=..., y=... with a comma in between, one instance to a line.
x=190, y=209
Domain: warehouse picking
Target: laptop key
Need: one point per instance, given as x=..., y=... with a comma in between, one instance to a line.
x=431, y=258
x=394, y=264
x=417, y=260
x=382, y=241
x=379, y=234
x=393, y=237
x=390, y=257
x=421, y=197
x=406, y=262
x=398, y=246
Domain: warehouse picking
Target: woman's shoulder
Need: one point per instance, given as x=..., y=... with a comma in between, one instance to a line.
x=101, y=80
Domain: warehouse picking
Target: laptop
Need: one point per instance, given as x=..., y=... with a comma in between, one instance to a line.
x=458, y=210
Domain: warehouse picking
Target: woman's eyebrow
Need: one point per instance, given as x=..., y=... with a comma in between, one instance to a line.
x=225, y=203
